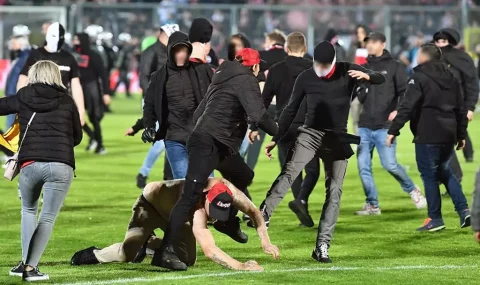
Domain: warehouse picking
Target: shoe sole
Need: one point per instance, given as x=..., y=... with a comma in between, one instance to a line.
x=368, y=213
x=466, y=222
x=314, y=256
x=439, y=228
x=304, y=218
x=15, y=274
x=33, y=279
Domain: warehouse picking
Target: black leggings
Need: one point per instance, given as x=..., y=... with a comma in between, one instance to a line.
x=123, y=77
x=95, y=110
x=204, y=156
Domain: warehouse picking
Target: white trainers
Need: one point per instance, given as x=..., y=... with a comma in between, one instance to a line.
x=368, y=210
x=418, y=199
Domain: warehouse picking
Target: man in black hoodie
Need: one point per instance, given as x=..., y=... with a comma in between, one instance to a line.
x=233, y=95
x=94, y=81
x=280, y=81
x=172, y=97
x=462, y=66
x=438, y=119
x=328, y=89
x=155, y=56
x=379, y=109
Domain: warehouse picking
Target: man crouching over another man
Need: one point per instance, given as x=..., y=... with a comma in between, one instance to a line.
x=152, y=210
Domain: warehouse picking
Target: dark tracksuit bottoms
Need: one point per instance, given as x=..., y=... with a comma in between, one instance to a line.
x=95, y=110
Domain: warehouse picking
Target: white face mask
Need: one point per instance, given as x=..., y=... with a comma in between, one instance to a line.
x=324, y=72
x=55, y=37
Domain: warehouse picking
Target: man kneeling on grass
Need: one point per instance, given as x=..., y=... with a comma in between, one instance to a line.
x=152, y=210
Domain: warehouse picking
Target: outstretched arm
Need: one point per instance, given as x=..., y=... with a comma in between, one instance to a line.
x=205, y=239
x=243, y=204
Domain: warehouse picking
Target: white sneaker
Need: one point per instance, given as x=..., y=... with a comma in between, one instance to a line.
x=368, y=210
x=418, y=199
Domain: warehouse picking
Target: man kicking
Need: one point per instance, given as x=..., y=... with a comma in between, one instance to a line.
x=152, y=210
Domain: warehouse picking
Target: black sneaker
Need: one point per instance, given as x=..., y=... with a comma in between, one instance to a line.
x=301, y=210
x=17, y=270
x=34, y=275
x=141, y=181
x=320, y=253
x=85, y=257
x=232, y=229
x=465, y=219
x=166, y=258
x=265, y=218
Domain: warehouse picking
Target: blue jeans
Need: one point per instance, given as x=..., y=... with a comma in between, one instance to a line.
x=433, y=162
x=178, y=158
x=153, y=153
x=55, y=178
x=371, y=139
x=244, y=146
x=10, y=120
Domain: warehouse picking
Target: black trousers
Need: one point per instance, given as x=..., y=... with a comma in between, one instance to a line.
x=205, y=154
x=468, y=149
x=95, y=111
x=301, y=187
x=123, y=77
x=167, y=170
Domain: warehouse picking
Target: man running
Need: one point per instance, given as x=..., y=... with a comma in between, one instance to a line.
x=152, y=210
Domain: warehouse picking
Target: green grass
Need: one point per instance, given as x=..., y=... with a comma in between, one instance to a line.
x=365, y=250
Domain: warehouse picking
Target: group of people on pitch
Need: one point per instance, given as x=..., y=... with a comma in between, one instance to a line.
x=203, y=117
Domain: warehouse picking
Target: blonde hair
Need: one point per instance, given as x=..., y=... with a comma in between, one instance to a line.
x=45, y=72
x=296, y=42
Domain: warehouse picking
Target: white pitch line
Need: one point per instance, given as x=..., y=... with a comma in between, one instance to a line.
x=333, y=268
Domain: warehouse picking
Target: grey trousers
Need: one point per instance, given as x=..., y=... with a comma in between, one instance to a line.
x=309, y=144
x=55, y=178
x=476, y=205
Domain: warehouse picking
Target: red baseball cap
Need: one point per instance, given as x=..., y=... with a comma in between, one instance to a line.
x=220, y=198
x=249, y=56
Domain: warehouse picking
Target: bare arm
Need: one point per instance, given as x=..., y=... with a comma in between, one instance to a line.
x=77, y=94
x=22, y=82
x=243, y=204
x=205, y=239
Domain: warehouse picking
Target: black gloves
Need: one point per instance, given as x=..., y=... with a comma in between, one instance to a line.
x=149, y=135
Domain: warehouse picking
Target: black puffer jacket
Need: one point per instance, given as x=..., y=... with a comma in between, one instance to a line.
x=160, y=102
x=233, y=95
x=152, y=59
x=380, y=100
x=56, y=127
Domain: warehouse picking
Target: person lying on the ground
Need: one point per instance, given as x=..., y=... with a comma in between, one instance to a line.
x=152, y=210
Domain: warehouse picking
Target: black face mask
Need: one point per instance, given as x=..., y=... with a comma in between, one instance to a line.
x=14, y=54
x=231, y=51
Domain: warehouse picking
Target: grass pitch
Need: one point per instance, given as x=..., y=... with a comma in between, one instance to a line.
x=366, y=250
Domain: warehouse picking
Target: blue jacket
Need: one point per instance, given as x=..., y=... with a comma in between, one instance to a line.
x=14, y=74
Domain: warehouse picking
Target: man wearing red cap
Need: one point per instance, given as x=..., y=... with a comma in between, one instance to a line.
x=220, y=127
x=152, y=211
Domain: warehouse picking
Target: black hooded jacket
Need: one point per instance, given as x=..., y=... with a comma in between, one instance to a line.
x=434, y=105
x=152, y=59
x=280, y=81
x=168, y=98
x=233, y=96
x=90, y=64
x=462, y=66
x=54, y=130
x=380, y=100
